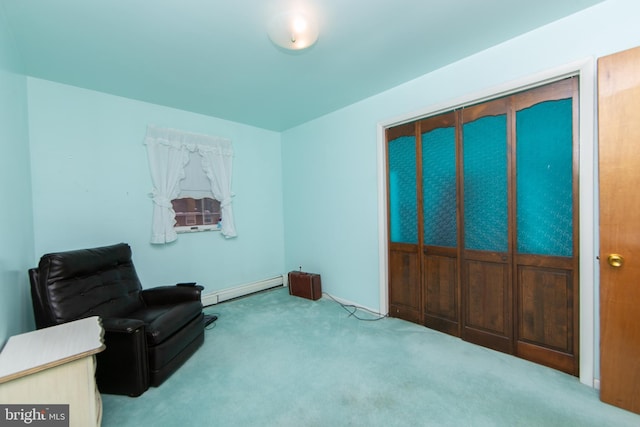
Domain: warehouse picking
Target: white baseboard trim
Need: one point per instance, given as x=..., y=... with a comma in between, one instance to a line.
x=596, y=383
x=242, y=290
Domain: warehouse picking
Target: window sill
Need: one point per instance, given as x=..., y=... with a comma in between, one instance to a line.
x=196, y=228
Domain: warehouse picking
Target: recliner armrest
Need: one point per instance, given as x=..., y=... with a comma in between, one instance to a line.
x=128, y=326
x=170, y=294
x=123, y=367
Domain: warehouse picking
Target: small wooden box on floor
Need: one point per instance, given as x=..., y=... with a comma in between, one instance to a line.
x=305, y=285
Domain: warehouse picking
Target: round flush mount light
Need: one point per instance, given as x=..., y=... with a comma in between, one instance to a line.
x=293, y=30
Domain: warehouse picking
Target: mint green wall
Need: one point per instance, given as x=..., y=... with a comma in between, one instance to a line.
x=91, y=183
x=330, y=187
x=330, y=164
x=16, y=234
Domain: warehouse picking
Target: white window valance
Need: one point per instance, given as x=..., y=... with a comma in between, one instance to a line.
x=169, y=152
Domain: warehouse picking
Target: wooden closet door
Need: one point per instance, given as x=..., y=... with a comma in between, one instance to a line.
x=441, y=293
x=619, y=157
x=405, y=293
x=483, y=240
x=486, y=258
x=545, y=267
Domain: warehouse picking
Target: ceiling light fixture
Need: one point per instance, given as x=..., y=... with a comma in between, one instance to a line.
x=293, y=30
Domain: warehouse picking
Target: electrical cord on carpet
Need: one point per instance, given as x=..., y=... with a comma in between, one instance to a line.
x=210, y=320
x=353, y=309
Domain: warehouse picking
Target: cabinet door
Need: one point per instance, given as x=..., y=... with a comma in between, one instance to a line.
x=486, y=262
x=404, y=261
x=441, y=300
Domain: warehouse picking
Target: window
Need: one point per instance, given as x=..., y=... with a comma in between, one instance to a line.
x=195, y=207
x=196, y=214
x=191, y=176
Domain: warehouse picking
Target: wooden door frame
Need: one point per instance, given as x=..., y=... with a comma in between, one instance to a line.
x=588, y=195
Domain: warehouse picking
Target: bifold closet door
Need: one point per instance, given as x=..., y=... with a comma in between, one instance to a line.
x=486, y=258
x=483, y=223
x=441, y=294
x=520, y=263
x=545, y=268
x=405, y=292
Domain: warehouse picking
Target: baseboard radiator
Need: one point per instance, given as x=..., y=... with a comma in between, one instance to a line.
x=242, y=290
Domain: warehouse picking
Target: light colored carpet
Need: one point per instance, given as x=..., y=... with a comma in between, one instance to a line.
x=276, y=360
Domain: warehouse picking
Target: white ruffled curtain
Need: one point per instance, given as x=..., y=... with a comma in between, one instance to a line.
x=168, y=152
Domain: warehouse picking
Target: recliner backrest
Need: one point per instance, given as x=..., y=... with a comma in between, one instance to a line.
x=88, y=282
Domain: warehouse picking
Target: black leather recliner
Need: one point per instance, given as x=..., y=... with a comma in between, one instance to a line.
x=149, y=333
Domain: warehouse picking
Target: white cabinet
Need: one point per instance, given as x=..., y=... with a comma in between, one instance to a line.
x=55, y=365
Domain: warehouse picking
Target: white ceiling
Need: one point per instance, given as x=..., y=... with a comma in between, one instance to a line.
x=214, y=56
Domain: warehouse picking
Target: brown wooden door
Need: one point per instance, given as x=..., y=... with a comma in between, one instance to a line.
x=487, y=296
x=619, y=157
x=546, y=282
x=520, y=258
x=483, y=222
x=441, y=293
x=405, y=270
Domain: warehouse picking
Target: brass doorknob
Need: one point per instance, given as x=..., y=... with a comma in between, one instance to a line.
x=615, y=260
